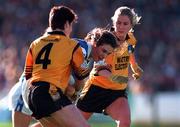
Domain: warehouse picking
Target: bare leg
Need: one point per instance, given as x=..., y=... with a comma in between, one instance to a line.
x=49, y=122
x=68, y=116
x=86, y=115
x=119, y=111
x=20, y=120
x=37, y=124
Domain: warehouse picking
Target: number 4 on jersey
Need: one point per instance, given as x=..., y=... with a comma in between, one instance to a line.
x=45, y=60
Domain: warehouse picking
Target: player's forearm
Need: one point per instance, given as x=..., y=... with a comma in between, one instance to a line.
x=135, y=67
x=79, y=84
x=136, y=70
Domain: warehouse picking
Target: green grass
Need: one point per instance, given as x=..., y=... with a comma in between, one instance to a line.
x=105, y=124
x=5, y=124
x=92, y=124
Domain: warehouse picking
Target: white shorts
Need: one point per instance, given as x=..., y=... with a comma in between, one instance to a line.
x=25, y=92
x=15, y=100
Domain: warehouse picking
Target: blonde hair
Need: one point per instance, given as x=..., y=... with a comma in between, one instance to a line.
x=124, y=10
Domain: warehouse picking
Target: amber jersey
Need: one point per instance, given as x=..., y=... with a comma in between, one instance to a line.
x=51, y=57
x=119, y=61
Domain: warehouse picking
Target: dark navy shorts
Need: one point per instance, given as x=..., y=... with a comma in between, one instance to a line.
x=42, y=103
x=97, y=99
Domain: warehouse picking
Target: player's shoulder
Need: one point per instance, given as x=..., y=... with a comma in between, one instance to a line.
x=85, y=46
x=81, y=42
x=131, y=39
x=36, y=41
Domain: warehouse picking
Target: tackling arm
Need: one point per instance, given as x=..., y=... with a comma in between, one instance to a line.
x=137, y=71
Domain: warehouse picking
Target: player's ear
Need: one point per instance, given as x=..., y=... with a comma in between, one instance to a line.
x=94, y=44
x=66, y=25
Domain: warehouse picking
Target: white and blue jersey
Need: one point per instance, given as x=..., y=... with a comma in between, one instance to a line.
x=88, y=61
x=86, y=49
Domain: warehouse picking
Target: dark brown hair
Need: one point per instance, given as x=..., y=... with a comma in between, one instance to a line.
x=59, y=15
x=101, y=36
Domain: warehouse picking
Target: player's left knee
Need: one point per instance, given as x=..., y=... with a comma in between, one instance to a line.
x=36, y=125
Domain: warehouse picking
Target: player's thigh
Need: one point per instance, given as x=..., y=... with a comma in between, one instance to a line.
x=119, y=110
x=70, y=116
x=48, y=122
x=20, y=120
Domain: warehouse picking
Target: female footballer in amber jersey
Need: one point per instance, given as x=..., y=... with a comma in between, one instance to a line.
x=118, y=63
x=105, y=91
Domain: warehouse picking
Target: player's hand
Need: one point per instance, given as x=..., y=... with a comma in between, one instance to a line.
x=71, y=93
x=74, y=97
x=135, y=76
x=138, y=71
x=98, y=68
x=70, y=90
x=138, y=74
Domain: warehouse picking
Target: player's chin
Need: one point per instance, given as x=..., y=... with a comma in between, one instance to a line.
x=121, y=33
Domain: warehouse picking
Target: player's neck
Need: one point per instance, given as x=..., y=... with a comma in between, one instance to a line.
x=120, y=39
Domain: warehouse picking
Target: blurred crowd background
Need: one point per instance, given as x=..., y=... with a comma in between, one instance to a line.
x=157, y=50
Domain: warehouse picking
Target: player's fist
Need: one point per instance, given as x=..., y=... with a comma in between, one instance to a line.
x=70, y=90
x=135, y=76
